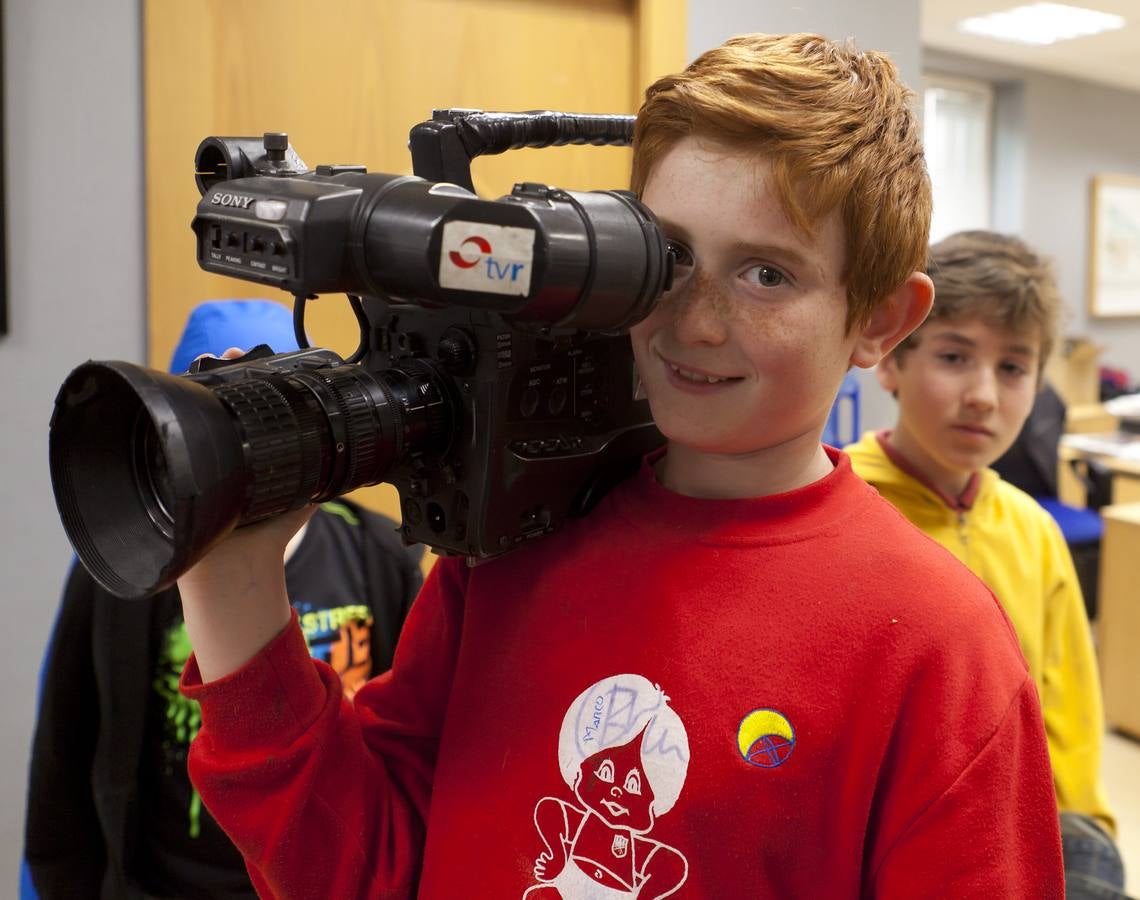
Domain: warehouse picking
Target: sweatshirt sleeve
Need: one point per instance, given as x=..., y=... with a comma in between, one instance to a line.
x=993, y=832
x=327, y=797
x=1070, y=692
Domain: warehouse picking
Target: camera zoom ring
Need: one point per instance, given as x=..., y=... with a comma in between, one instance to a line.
x=275, y=456
x=361, y=444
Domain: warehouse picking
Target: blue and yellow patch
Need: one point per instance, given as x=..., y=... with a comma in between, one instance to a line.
x=765, y=738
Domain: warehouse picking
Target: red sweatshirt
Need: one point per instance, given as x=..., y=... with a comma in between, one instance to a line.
x=792, y=696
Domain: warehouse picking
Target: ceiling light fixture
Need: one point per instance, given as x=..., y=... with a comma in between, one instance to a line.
x=1041, y=23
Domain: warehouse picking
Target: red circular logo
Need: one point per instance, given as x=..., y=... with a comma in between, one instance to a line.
x=483, y=245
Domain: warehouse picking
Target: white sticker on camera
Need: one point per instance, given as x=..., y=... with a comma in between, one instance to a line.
x=494, y=259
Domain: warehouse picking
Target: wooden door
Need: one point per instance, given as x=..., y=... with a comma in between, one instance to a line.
x=347, y=80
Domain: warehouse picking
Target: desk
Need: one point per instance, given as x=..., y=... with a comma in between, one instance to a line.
x=1090, y=418
x=1118, y=623
x=1118, y=450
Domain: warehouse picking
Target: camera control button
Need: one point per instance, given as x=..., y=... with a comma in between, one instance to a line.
x=556, y=402
x=270, y=210
x=528, y=403
x=329, y=171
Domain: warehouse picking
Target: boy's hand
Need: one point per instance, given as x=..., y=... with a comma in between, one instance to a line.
x=246, y=554
x=231, y=353
x=234, y=598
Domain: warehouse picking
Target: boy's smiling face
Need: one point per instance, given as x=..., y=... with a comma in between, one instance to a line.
x=964, y=391
x=743, y=356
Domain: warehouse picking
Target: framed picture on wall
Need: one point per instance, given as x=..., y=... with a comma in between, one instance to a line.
x=1114, y=251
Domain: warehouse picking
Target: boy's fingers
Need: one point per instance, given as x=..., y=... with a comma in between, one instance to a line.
x=231, y=353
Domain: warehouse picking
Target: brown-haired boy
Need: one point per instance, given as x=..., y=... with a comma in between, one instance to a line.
x=965, y=383
x=743, y=674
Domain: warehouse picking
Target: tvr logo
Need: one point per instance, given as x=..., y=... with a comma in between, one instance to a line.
x=476, y=250
x=477, y=256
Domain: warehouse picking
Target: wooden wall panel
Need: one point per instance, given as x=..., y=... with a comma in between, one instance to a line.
x=347, y=80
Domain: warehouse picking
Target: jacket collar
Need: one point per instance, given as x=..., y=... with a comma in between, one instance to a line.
x=964, y=502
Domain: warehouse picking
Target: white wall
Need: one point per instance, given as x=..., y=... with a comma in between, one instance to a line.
x=891, y=26
x=1053, y=135
x=74, y=188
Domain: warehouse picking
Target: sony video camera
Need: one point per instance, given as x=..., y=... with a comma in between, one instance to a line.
x=493, y=385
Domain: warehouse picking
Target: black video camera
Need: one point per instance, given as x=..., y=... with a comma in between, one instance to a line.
x=493, y=385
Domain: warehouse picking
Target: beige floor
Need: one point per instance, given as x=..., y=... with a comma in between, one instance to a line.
x=1122, y=782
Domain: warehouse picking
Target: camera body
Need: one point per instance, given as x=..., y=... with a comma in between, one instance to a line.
x=547, y=424
x=494, y=384
x=546, y=414
x=541, y=424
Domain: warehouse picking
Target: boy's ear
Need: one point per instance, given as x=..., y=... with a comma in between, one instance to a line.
x=901, y=313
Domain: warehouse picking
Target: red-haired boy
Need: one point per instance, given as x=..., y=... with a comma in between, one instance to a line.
x=857, y=718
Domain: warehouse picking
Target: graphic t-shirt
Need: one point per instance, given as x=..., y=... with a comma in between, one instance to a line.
x=340, y=636
x=181, y=845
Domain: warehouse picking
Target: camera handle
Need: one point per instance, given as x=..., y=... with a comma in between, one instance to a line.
x=443, y=147
x=357, y=306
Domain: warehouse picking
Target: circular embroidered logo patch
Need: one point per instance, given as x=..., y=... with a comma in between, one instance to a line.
x=766, y=739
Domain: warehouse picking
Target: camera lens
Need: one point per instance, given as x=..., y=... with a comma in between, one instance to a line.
x=150, y=470
x=152, y=474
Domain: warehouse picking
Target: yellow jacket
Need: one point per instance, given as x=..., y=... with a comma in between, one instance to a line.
x=1015, y=547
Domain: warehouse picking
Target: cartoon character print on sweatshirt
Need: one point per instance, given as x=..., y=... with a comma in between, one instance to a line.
x=624, y=755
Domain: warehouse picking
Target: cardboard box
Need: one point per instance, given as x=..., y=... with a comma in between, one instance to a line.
x=1074, y=370
x=1118, y=624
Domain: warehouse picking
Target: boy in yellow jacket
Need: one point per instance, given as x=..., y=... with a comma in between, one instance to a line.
x=965, y=382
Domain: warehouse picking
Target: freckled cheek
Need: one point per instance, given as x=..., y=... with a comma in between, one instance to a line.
x=639, y=336
x=763, y=325
x=700, y=294
x=775, y=341
x=642, y=330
